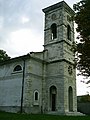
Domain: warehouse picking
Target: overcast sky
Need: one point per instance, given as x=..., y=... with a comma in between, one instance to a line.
x=22, y=24
x=22, y=27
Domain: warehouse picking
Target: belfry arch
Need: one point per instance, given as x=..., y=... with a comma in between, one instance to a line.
x=53, y=31
x=68, y=32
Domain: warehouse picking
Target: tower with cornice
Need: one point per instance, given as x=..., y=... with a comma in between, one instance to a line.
x=60, y=73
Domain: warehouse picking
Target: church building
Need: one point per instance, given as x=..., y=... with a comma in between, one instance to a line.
x=43, y=82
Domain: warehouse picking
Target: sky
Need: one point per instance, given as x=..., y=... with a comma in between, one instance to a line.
x=22, y=27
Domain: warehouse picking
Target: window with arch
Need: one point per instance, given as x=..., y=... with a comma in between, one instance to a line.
x=17, y=68
x=70, y=98
x=53, y=31
x=68, y=32
x=36, y=96
x=53, y=96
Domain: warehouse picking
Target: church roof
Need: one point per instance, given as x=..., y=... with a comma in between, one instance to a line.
x=33, y=55
x=15, y=59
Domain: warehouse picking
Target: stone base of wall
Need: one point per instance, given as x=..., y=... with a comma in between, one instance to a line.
x=37, y=110
x=13, y=109
x=17, y=109
x=32, y=110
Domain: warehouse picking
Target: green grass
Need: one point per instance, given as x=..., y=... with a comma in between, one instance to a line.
x=13, y=116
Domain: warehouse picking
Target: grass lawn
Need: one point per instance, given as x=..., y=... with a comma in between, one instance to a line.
x=13, y=116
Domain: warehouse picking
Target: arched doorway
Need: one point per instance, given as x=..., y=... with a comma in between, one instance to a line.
x=53, y=93
x=70, y=98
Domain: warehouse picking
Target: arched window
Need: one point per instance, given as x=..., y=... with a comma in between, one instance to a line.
x=36, y=95
x=53, y=96
x=17, y=68
x=54, y=31
x=68, y=32
x=70, y=98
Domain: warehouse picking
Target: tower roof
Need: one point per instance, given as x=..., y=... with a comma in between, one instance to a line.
x=61, y=4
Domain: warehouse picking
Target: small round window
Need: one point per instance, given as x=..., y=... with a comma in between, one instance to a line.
x=17, y=68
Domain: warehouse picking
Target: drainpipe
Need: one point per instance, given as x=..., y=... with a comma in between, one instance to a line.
x=22, y=91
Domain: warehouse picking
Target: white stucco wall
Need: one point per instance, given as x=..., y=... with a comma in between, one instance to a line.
x=10, y=92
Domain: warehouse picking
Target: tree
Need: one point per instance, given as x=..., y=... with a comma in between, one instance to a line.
x=3, y=56
x=82, y=19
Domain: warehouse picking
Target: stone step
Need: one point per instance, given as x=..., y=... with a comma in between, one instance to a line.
x=74, y=114
x=67, y=113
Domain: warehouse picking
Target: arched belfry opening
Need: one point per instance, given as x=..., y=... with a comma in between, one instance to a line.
x=53, y=31
x=70, y=99
x=53, y=94
x=68, y=32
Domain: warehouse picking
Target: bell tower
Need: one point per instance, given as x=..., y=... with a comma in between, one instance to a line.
x=60, y=73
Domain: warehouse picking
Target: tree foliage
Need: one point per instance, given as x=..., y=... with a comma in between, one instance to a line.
x=3, y=56
x=82, y=19
x=84, y=98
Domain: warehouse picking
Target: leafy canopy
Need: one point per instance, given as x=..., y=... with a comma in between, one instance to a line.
x=3, y=56
x=82, y=19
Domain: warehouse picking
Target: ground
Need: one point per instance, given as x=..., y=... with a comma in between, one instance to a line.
x=13, y=116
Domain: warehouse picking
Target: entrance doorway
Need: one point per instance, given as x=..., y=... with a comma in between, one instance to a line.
x=53, y=102
x=53, y=98
x=70, y=98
